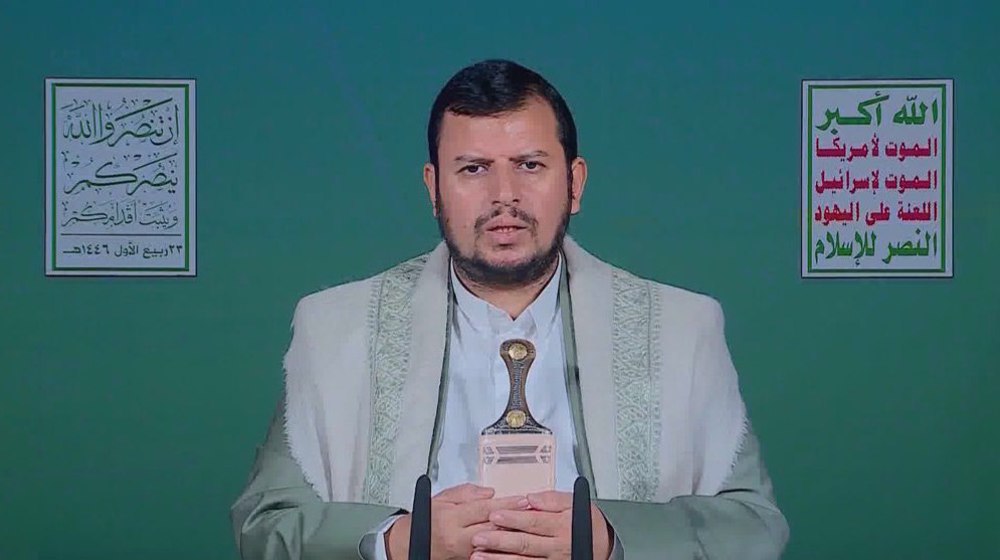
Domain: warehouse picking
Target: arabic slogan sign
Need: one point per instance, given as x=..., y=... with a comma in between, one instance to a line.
x=120, y=177
x=876, y=178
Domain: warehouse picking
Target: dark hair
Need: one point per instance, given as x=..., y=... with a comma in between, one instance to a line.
x=492, y=87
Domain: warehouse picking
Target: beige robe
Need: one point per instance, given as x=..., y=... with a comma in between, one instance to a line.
x=661, y=408
x=660, y=400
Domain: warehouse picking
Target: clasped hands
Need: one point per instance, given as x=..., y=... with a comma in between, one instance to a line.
x=467, y=522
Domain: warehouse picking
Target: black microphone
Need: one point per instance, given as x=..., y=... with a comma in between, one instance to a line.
x=582, y=539
x=420, y=520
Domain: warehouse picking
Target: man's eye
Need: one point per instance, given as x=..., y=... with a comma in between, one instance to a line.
x=532, y=165
x=473, y=169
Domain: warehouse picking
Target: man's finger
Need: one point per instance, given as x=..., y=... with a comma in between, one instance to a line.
x=486, y=555
x=551, y=501
x=541, y=523
x=513, y=542
x=479, y=511
x=471, y=530
x=464, y=493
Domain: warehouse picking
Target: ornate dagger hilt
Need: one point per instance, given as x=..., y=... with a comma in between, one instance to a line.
x=518, y=355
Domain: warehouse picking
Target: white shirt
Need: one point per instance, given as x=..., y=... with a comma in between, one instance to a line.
x=478, y=385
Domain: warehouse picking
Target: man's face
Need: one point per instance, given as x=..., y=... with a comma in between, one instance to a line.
x=503, y=194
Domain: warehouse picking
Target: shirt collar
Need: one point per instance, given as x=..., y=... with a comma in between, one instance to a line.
x=484, y=316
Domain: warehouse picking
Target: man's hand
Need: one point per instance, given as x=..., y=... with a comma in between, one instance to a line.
x=457, y=513
x=544, y=531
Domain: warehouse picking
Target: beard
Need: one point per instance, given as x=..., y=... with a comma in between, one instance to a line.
x=477, y=269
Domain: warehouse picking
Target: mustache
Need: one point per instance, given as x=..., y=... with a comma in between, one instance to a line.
x=512, y=211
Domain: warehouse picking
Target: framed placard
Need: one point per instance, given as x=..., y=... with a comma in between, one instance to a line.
x=120, y=177
x=877, y=178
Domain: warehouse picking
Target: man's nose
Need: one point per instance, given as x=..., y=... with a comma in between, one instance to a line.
x=505, y=188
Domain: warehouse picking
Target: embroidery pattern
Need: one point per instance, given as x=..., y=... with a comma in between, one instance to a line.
x=636, y=364
x=389, y=324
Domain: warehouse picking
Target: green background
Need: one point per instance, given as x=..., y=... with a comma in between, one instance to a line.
x=130, y=408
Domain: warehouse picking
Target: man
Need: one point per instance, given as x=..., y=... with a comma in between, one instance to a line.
x=394, y=376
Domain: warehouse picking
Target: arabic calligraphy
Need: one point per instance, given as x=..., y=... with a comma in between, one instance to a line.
x=121, y=186
x=102, y=124
x=129, y=249
x=876, y=192
x=865, y=118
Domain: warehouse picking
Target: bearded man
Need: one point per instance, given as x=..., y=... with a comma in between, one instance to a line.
x=395, y=376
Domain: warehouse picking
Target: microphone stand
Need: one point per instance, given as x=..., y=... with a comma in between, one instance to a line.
x=582, y=539
x=420, y=520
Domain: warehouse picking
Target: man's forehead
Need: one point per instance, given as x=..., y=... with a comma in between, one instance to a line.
x=530, y=128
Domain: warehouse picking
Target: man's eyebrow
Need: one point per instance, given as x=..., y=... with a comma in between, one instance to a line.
x=531, y=155
x=465, y=158
x=473, y=159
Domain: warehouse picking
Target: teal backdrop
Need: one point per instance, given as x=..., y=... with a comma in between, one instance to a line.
x=130, y=408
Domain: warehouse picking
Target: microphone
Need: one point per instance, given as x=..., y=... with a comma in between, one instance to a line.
x=582, y=539
x=420, y=520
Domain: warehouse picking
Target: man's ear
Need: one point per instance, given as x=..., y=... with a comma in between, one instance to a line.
x=430, y=181
x=578, y=177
